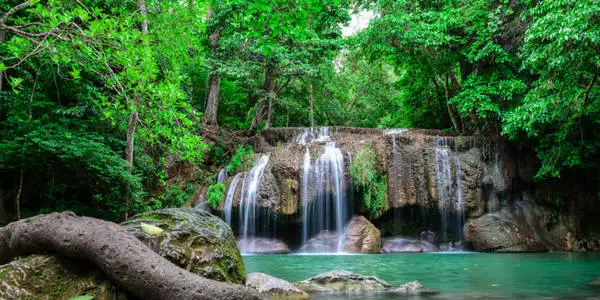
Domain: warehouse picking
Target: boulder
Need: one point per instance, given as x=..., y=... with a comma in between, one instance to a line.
x=52, y=277
x=324, y=242
x=274, y=288
x=194, y=240
x=412, y=288
x=341, y=281
x=361, y=236
x=518, y=227
x=263, y=246
x=399, y=245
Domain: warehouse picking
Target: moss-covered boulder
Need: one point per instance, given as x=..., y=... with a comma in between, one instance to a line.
x=192, y=239
x=51, y=277
x=274, y=288
x=345, y=282
x=342, y=281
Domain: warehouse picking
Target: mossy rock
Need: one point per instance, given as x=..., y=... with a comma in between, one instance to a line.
x=51, y=277
x=194, y=240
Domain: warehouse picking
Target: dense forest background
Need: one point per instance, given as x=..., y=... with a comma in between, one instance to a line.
x=98, y=99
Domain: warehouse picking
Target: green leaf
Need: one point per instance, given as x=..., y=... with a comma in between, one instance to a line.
x=85, y=297
x=151, y=229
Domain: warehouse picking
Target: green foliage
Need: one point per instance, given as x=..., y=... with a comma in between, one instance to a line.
x=242, y=160
x=373, y=187
x=215, y=194
x=172, y=196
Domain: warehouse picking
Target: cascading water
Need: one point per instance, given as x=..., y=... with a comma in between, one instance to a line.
x=248, y=212
x=306, y=171
x=395, y=174
x=324, y=197
x=449, y=190
x=459, y=199
x=229, y=198
x=222, y=175
x=316, y=134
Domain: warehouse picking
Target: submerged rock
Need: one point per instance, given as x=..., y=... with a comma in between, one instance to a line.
x=51, y=277
x=595, y=283
x=194, y=240
x=341, y=281
x=399, y=245
x=360, y=236
x=274, y=288
x=263, y=246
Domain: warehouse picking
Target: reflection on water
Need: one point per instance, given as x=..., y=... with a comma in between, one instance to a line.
x=456, y=276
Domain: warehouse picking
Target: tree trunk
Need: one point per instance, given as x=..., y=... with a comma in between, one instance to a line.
x=270, y=98
x=133, y=119
x=212, y=101
x=144, y=13
x=311, y=111
x=128, y=262
x=214, y=89
x=268, y=95
x=450, y=107
x=18, y=198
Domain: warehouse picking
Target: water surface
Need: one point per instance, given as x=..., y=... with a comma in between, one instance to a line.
x=454, y=275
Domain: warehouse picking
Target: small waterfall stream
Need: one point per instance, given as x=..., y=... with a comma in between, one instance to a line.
x=449, y=189
x=222, y=175
x=323, y=194
x=229, y=198
x=248, y=211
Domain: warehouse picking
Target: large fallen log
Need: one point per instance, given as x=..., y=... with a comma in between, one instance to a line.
x=129, y=263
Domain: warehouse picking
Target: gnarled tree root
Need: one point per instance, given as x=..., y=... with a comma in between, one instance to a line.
x=128, y=262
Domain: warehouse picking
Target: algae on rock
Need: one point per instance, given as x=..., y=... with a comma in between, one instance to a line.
x=194, y=240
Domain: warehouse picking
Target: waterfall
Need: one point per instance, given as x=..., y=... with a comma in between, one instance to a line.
x=313, y=134
x=460, y=214
x=222, y=175
x=229, y=199
x=324, y=196
x=395, y=174
x=248, y=215
x=449, y=190
x=306, y=171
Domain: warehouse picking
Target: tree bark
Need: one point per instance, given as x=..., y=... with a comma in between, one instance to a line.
x=127, y=262
x=212, y=101
x=311, y=111
x=268, y=91
x=133, y=119
x=450, y=107
x=214, y=88
x=144, y=12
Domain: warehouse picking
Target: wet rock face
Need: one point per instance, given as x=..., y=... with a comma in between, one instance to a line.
x=274, y=288
x=360, y=236
x=398, y=245
x=263, y=246
x=50, y=277
x=518, y=227
x=194, y=240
